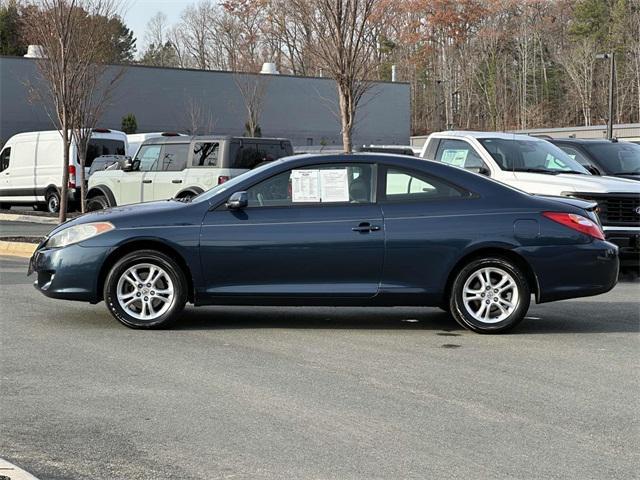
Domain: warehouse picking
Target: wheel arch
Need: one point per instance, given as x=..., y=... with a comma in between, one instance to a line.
x=194, y=190
x=102, y=190
x=494, y=251
x=144, y=244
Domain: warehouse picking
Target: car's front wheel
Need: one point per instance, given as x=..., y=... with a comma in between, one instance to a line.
x=145, y=289
x=490, y=295
x=99, y=202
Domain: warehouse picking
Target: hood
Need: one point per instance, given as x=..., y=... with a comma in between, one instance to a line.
x=544, y=184
x=630, y=177
x=148, y=214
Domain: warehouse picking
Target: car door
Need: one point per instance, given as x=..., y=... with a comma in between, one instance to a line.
x=137, y=185
x=425, y=221
x=169, y=175
x=310, y=233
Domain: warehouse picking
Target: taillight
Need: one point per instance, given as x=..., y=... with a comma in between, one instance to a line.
x=576, y=222
x=72, y=176
x=222, y=179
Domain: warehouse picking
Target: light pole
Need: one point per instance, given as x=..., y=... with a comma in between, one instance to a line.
x=612, y=72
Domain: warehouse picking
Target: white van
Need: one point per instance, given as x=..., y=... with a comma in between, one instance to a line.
x=31, y=166
x=134, y=140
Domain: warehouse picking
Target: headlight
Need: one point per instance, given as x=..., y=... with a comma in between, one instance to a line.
x=78, y=233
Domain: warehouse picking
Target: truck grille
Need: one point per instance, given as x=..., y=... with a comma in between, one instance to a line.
x=616, y=209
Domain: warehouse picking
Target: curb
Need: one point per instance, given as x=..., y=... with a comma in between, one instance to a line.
x=10, y=217
x=14, y=473
x=17, y=249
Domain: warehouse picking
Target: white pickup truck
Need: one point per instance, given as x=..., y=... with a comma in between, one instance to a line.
x=539, y=167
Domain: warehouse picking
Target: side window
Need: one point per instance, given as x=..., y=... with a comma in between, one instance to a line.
x=148, y=156
x=403, y=185
x=4, y=158
x=205, y=154
x=576, y=155
x=174, y=157
x=343, y=183
x=247, y=157
x=459, y=154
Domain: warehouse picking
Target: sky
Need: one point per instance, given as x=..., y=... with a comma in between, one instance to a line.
x=137, y=13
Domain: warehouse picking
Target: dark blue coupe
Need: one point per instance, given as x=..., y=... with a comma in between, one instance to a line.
x=361, y=229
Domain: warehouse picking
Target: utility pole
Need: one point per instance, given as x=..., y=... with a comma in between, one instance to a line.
x=612, y=73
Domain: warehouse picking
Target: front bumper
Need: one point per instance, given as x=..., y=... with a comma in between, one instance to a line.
x=70, y=273
x=572, y=271
x=628, y=242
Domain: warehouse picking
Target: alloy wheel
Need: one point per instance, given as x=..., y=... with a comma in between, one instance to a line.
x=490, y=295
x=145, y=291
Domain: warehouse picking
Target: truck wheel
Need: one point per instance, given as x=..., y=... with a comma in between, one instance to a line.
x=99, y=202
x=490, y=295
x=53, y=201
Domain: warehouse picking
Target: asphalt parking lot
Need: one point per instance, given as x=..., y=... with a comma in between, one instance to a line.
x=322, y=393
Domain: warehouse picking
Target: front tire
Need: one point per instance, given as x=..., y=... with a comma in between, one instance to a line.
x=145, y=289
x=490, y=295
x=99, y=202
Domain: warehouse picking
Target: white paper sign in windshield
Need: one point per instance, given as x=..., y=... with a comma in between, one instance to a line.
x=455, y=157
x=304, y=186
x=334, y=185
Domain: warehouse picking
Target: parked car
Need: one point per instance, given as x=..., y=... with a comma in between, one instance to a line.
x=31, y=166
x=397, y=149
x=537, y=166
x=603, y=157
x=360, y=229
x=134, y=140
x=181, y=167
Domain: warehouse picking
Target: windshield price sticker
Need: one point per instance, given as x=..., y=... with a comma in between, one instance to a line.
x=304, y=186
x=334, y=185
x=456, y=158
x=320, y=185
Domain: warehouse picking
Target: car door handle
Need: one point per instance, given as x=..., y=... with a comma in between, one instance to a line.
x=176, y=181
x=366, y=227
x=146, y=181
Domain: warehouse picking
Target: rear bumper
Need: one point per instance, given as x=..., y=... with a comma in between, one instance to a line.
x=628, y=242
x=573, y=271
x=69, y=273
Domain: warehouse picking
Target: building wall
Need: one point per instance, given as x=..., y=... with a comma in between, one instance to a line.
x=164, y=99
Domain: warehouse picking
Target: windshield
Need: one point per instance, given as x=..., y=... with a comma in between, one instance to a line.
x=204, y=196
x=617, y=158
x=530, y=156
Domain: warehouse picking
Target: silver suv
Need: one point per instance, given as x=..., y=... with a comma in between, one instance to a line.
x=181, y=167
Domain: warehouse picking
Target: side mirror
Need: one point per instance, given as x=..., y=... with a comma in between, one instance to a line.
x=127, y=164
x=237, y=201
x=481, y=170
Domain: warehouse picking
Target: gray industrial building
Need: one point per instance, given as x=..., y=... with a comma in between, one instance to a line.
x=168, y=99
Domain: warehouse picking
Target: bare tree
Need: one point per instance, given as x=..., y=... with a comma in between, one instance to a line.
x=198, y=118
x=344, y=45
x=252, y=88
x=65, y=30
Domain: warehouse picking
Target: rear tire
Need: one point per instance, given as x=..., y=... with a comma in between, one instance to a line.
x=490, y=295
x=145, y=289
x=5, y=206
x=52, y=201
x=99, y=202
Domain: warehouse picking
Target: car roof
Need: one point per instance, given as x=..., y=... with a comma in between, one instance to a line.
x=588, y=141
x=477, y=134
x=211, y=138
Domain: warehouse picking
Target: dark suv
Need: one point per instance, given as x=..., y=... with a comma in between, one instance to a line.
x=620, y=212
x=603, y=157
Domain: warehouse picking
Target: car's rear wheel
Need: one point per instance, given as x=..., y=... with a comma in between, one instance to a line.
x=490, y=295
x=53, y=201
x=99, y=202
x=145, y=289
x=5, y=206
